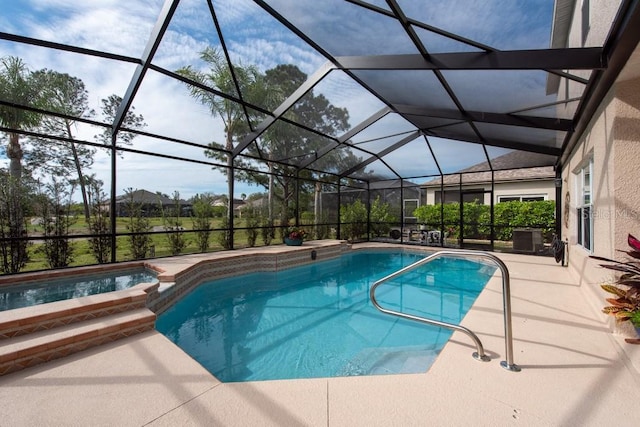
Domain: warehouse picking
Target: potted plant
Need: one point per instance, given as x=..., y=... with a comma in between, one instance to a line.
x=625, y=306
x=295, y=237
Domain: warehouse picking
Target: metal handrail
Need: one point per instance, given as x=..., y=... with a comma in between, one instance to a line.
x=506, y=299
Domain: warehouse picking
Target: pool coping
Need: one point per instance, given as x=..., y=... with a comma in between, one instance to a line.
x=180, y=275
x=88, y=270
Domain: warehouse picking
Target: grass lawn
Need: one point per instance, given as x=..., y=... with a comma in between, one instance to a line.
x=161, y=246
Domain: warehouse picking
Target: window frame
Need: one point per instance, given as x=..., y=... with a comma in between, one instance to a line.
x=584, y=206
x=519, y=197
x=412, y=205
x=453, y=196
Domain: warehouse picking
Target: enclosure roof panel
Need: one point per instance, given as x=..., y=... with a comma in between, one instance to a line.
x=363, y=90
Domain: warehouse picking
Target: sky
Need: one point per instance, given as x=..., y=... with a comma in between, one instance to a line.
x=255, y=38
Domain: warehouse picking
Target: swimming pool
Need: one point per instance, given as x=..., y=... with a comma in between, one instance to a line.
x=44, y=291
x=317, y=321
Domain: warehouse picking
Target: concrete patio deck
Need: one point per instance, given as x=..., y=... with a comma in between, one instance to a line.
x=574, y=373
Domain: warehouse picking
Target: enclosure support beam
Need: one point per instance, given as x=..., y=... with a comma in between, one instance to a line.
x=348, y=135
x=590, y=58
x=383, y=153
x=523, y=120
x=325, y=69
x=155, y=38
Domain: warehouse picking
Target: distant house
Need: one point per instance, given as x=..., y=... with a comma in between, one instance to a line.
x=528, y=178
x=151, y=204
x=258, y=204
x=237, y=204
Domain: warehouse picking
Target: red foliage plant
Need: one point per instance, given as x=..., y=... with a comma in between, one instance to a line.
x=296, y=234
x=626, y=288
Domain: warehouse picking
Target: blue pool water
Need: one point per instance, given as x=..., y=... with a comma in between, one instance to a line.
x=317, y=320
x=33, y=293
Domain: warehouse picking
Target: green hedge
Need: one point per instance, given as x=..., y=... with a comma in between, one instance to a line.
x=353, y=219
x=477, y=217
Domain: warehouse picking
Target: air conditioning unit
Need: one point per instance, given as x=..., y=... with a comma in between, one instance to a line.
x=527, y=240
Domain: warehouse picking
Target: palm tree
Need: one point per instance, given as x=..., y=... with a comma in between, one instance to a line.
x=18, y=87
x=229, y=109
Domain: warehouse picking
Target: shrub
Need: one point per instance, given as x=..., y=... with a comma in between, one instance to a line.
x=225, y=236
x=252, y=218
x=139, y=242
x=202, y=213
x=13, y=224
x=173, y=225
x=56, y=213
x=322, y=229
x=100, y=243
x=268, y=231
x=381, y=218
x=538, y=214
x=353, y=219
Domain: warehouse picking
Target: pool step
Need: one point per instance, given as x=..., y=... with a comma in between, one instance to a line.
x=44, y=332
x=23, y=351
x=23, y=321
x=391, y=360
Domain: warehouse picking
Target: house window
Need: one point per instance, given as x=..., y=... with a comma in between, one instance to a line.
x=584, y=206
x=525, y=198
x=410, y=205
x=452, y=196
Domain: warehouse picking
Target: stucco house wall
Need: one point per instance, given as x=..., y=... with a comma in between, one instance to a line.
x=525, y=188
x=612, y=141
x=596, y=143
x=536, y=187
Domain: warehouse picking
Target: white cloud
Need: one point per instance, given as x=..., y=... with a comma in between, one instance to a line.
x=112, y=26
x=266, y=54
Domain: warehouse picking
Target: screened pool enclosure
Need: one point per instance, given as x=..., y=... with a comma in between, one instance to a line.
x=151, y=128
